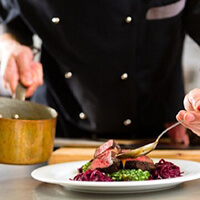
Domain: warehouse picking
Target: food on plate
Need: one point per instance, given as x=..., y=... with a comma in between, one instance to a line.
x=129, y=175
x=92, y=175
x=164, y=169
x=105, y=166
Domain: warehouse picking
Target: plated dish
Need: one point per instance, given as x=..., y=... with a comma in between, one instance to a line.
x=106, y=173
x=62, y=173
x=108, y=165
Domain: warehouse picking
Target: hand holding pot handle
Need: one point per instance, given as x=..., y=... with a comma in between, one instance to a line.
x=17, y=64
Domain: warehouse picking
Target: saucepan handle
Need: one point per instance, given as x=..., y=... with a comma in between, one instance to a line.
x=20, y=92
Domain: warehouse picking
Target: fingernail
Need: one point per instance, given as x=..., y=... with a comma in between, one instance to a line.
x=180, y=115
x=190, y=117
x=28, y=81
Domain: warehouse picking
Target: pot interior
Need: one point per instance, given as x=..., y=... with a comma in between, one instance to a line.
x=25, y=110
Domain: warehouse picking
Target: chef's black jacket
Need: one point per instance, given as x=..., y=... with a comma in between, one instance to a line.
x=112, y=68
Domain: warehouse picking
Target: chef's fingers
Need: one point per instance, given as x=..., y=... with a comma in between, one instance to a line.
x=191, y=120
x=192, y=100
x=11, y=74
x=188, y=116
x=39, y=71
x=180, y=115
x=37, y=78
x=24, y=59
x=187, y=103
x=31, y=90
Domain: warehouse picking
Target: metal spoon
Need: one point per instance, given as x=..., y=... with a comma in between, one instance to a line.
x=143, y=150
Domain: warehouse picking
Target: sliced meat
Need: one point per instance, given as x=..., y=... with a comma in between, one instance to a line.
x=106, y=162
x=110, y=144
x=142, y=162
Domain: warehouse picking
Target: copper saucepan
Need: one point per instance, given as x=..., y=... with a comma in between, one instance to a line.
x=27, y=130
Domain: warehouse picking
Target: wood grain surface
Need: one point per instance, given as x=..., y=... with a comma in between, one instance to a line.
x=69, y=154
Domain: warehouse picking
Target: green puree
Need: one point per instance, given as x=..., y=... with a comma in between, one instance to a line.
x=129, y=175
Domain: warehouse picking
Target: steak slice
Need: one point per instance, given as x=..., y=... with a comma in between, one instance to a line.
x=106, y=162
x=110, y=144
x=142, y=162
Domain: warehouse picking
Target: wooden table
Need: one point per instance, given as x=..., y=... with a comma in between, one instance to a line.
x=69, y=154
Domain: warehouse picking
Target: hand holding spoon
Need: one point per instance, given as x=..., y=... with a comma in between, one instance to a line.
x=143, y=150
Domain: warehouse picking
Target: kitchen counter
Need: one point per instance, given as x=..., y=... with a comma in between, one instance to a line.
x=16, y=184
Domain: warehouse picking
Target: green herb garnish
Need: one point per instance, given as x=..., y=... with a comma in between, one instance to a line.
x=85, y=167
x=129, y=175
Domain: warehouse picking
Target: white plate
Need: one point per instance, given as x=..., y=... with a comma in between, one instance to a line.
x=61, y=173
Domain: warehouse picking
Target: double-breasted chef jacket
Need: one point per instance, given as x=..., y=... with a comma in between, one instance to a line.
x=112, y=68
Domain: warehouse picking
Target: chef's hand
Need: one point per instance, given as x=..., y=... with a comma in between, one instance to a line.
x=191, y=114
x=178, y=134
x=17, y=64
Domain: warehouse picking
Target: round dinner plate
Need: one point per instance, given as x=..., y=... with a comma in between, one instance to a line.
x=62, y=173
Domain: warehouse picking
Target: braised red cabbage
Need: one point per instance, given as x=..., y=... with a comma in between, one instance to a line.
x=164, y=170
x=92, y=175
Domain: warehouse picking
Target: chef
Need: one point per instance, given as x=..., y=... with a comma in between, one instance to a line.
x=112, y=69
